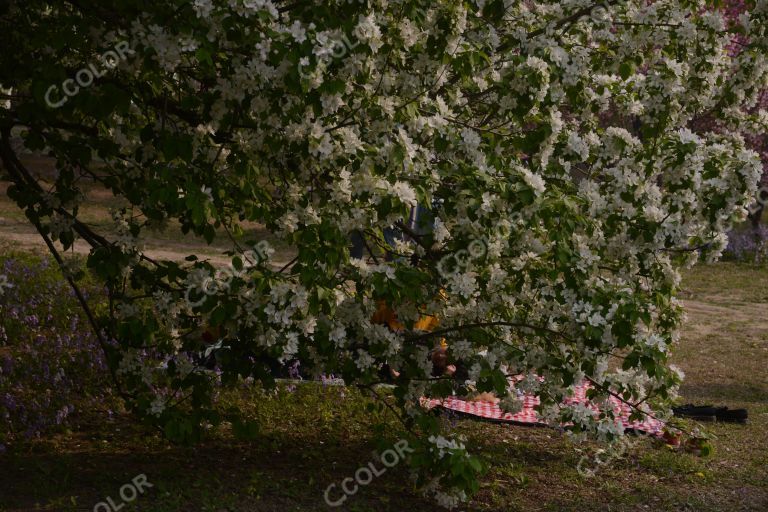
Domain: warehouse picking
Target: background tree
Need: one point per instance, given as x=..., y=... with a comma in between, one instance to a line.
x=736, y=12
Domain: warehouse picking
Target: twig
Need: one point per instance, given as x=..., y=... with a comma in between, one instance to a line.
x=448, y=330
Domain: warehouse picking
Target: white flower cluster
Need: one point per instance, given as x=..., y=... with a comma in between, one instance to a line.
x=444, y=445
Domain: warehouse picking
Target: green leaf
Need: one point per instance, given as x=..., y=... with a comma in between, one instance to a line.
x=626, y=69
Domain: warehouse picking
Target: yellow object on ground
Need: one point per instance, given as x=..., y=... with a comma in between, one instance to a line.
x=386, y=315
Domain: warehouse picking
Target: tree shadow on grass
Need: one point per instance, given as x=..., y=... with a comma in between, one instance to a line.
x=710, y=392
x=261, y=476
x=274, y=473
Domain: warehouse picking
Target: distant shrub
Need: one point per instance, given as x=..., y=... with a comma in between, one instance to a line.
x=748, y=245
x=50, y=361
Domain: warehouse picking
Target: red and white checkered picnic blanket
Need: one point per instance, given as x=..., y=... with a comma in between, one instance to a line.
x=528, y=415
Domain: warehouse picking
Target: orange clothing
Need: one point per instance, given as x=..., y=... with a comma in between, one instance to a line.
x=386, y=315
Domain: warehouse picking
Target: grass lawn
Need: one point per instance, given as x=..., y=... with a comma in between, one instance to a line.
x=319, y=435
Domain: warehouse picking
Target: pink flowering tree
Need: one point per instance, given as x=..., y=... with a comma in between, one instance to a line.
x=561, y=145
x=737, y=13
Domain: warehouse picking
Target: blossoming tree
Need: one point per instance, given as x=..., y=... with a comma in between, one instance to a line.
x=736, y=11
x=557, y=144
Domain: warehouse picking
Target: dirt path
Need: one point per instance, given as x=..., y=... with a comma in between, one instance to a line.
x=708, y=318
x=16, y=233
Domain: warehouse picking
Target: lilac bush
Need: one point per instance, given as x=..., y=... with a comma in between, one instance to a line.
x=50, y=362
x=748, y=245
